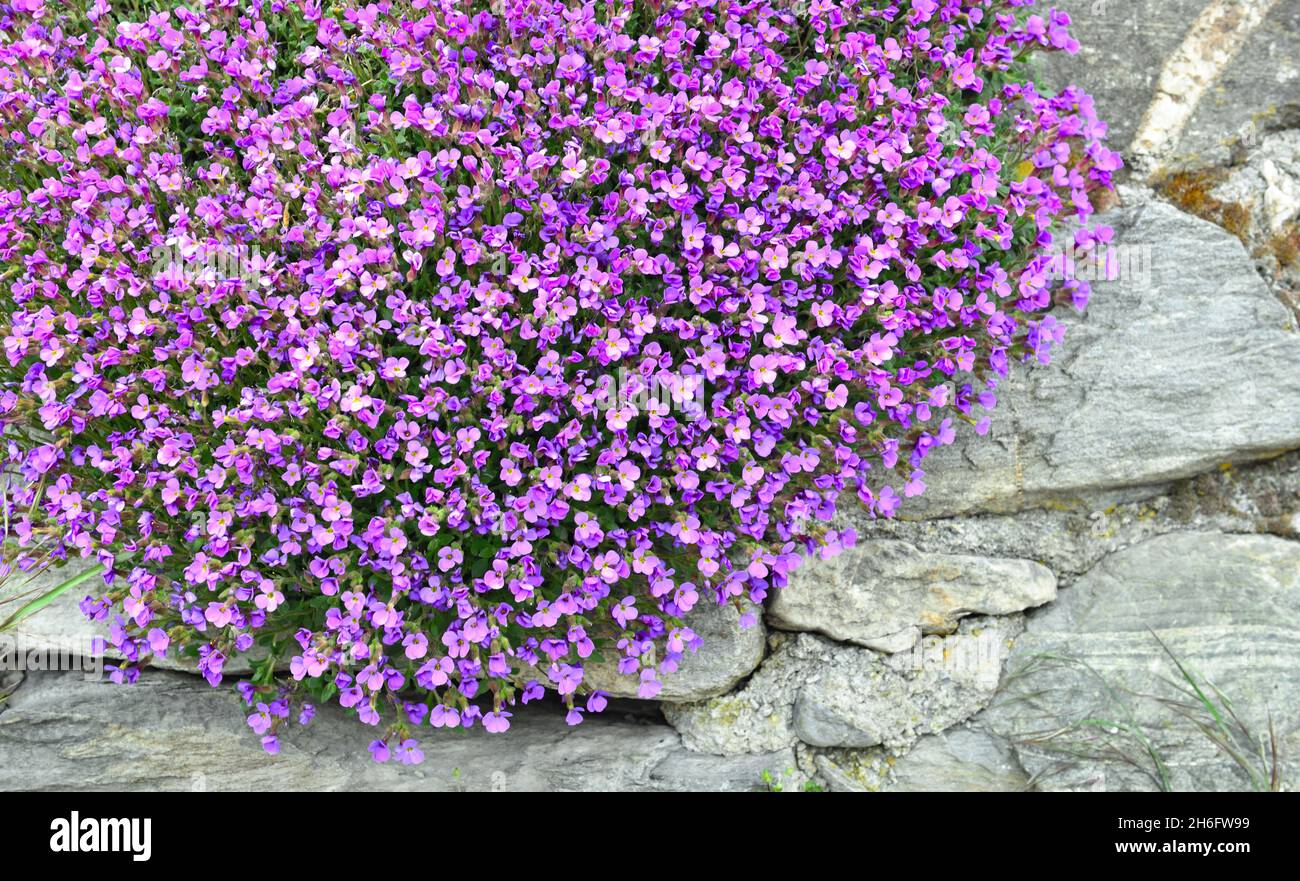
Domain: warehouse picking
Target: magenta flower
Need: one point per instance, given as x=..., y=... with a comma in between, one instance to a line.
x=507, y=351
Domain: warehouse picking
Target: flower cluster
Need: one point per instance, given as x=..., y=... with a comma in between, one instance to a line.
x=398, y=451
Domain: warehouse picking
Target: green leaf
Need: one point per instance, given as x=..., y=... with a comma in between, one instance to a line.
x=33, y=606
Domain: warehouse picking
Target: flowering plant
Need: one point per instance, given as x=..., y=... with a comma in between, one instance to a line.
x=436, y=348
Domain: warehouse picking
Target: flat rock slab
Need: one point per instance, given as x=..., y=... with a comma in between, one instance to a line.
x=729, y=654
x=883, y=594
x=1184, y=363
x=1227, y=607
x=173, y=732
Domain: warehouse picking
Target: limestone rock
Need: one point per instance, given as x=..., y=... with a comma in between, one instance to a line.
x=1262, y=497
x=61, y=628
x=859, y=699
x=174, y=732
x=884, y=594
x=961, y=759
x=729, y=654
x=759, y=717
x=1266, y=186
x=1227, y=607
x=1259, y=199
x=831, y=695
x=1229, y=68
x=1176, y=368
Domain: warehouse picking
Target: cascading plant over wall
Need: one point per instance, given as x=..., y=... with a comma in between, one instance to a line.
x=431, y=350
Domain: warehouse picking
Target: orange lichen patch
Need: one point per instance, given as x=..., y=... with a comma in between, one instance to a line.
x=1285, y=246
x=1190, y=191
x=1104, y=200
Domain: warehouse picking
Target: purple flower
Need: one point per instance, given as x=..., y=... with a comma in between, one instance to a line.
x=438, y=372
x=497, y=721
x=408, y=753
x=261, y=720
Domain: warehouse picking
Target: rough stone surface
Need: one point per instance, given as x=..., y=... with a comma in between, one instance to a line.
x=729, y=654
x=173, y=732
x=9, y=682
x=758, y=717
x=1168, y=375
x=884, y=594
x=1262, y=194
x=60, y=626
x=1122, y=49
x=856, y=699
x=961, y=759
x=826, y=694
x=1267, y=185
x=1249, y=77
x=1263, y=498
x=1226, y=606
x=1257, y=92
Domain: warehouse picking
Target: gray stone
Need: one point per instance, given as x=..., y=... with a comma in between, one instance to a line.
x=9, y=682
x=1168, y=375
x=60, y=627
x=173, y=732
x=729, y=654
x=884, y=594
x=1182, y=92
x=1091, y=698
x=1261, y=497
x=759, y=717
x=1262, y=193
x=1266, y=185
x=859, y=699
x=1123, y=46
x=961, y=759
x=853, y=770
x=1258, y=92
x=826, y=694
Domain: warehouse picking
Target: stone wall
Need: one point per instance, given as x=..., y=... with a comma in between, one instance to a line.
x=1048, y=616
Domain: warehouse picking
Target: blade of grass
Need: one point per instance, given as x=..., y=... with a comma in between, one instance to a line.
x=1275, y=775
x=33, y=606
x=1191, y=681
x=1130, y=727
x=1224, y=744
